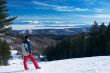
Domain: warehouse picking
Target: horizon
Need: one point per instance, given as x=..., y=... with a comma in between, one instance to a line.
x=55, y=12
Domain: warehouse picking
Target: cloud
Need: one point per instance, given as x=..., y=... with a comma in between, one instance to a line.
x=90, y=1
x=96, y=16
x=32, y=22
x=27, y=21
x=54, y=7
x=60, y=8
x=98, y=10
x=71, y=9
x=44, y=4
x=64, y=8
x=81, y=9
x=102, y=16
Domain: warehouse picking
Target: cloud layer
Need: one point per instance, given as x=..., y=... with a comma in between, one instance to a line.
x=79, y=11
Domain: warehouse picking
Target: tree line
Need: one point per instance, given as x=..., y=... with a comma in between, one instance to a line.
x=86, y=44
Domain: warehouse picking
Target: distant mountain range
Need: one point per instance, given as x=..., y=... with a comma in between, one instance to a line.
x=71, y=30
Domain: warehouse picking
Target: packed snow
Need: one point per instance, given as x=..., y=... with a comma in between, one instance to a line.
x=79, y=65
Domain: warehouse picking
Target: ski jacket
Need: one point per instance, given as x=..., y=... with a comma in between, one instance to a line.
x=26, y=47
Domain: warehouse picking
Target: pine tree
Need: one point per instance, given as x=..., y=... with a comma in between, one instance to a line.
x=93, y=40
x=5, y=20
x=102, y=38
x=5, y=28
x=95, y=27
x=108, y=40
x=101, y=42
x=4, y=52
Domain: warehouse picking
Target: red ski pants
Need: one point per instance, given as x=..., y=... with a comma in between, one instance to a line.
x=31, y=57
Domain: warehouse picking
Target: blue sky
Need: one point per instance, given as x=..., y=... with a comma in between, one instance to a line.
x=76, y=11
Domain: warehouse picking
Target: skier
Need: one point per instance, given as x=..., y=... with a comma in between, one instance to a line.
x=27, y=53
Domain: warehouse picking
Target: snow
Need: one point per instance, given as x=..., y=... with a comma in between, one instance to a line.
x=15, y=58
x=99, y=64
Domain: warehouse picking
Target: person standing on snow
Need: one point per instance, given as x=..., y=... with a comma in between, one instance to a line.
x=27, y=53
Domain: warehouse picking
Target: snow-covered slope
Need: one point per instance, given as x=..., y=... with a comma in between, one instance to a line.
x=79, y=65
